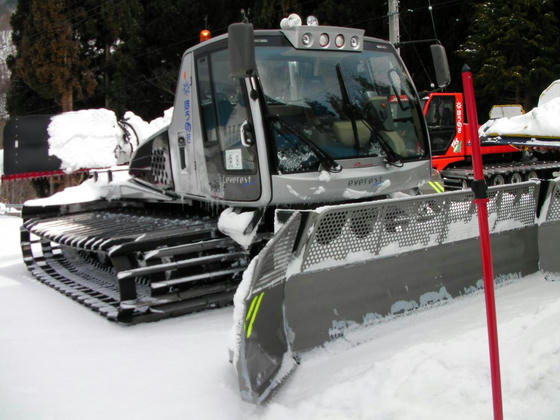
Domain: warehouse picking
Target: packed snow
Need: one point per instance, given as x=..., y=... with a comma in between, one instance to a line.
x=90, y=190
x=541, y=121
x=93, y=138
x=550, y=93
x=235, y=226
x=59, y=360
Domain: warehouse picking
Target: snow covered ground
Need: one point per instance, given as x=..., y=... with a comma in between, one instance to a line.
x=59, y=360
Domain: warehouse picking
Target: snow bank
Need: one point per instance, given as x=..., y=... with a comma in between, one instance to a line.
x=430, y=365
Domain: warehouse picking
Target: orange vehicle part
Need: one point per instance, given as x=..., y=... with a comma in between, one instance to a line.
x=449, y=134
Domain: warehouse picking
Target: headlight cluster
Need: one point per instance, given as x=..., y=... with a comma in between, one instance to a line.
x=314, y=36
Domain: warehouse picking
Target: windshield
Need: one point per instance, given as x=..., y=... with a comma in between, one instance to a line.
x=349, y=105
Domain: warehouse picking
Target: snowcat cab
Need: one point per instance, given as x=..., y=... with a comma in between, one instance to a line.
x=263, y=120
x=308, y=122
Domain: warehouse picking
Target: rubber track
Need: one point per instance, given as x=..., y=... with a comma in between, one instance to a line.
x=63, y=263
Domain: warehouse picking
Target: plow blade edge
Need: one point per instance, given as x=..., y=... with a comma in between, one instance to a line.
x=355, y=264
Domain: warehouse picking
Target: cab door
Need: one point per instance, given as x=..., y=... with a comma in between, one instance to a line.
x=231, y=160
x=442, y=124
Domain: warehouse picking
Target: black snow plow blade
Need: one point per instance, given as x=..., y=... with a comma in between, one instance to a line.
x=131, y=266
x=355, y=265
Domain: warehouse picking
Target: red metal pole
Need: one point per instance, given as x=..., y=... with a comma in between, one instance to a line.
x=481, y=199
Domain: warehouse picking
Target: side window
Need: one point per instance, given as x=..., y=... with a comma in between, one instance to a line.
x=441, y=112
x=223, y=112
x=206, y=99
x=441, y=122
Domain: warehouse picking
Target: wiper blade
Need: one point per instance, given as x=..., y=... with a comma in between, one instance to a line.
x=349, y=109
x=391, y=157
x=325, y=159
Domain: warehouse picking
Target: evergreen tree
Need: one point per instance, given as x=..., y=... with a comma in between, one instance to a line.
x=103, y=27
x=268, y=13
x=146, y=65
x=21, y=99
x=48, y=58
x=513, y=49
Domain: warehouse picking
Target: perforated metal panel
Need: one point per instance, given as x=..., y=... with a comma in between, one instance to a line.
x=276, y=255
x=352, y=233
x=554, y=208
x=161, y=169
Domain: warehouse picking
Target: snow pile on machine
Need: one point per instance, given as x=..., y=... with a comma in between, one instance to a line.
x=95, y=138
x=538, y=127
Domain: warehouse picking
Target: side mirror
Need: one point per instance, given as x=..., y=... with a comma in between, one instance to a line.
x=439, y=57
x=241, y=45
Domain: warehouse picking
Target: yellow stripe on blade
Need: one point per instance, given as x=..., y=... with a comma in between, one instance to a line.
x=437, y=186
x=255, y=311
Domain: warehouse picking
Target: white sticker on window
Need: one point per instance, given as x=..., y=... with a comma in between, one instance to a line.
x=233, y=160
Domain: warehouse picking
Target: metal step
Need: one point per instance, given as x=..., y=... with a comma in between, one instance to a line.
x=158, y=268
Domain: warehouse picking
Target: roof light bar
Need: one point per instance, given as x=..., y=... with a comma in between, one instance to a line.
x=325, y=38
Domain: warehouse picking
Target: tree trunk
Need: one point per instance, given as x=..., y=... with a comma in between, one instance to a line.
x=67, y=101
x=106, y=74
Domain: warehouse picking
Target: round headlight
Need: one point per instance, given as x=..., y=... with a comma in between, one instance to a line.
x=312, y=21
x=339, y=41
x=354, y=42
x=294, y=20
x=306, y=39
x=324, y=40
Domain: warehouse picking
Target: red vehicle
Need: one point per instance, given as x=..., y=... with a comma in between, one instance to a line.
x=451, y=148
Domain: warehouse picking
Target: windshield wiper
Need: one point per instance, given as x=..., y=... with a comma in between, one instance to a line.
x=391, y=157
x=325, y=159
x=348, y=108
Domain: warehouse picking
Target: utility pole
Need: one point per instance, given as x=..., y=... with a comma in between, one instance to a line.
x=394, y=35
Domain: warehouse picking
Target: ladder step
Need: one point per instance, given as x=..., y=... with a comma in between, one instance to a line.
x=142, y=271
x=188, y=248
x=167, y=283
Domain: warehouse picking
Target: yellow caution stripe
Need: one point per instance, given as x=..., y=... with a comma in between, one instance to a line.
x=252, y=314
x=437, y=186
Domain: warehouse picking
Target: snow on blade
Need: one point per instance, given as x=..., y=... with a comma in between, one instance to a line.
x=235, y=224
x=239, y=310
